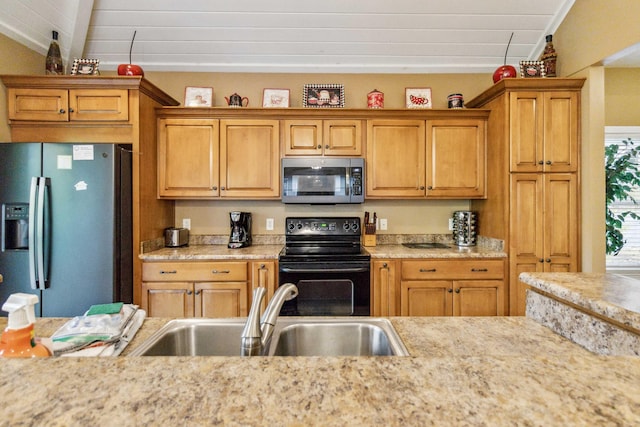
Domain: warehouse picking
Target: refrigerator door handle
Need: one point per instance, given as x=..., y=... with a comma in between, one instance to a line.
x=32, y=235
x=43, y=189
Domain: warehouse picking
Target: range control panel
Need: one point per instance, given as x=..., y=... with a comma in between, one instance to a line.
x=328, y=226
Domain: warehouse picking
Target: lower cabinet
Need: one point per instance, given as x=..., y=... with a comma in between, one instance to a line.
x=263, y=274
x=385, y=296
x=452, y=288
x=195, y=289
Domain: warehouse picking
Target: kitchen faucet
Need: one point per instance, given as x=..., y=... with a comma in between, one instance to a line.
x=257, y=331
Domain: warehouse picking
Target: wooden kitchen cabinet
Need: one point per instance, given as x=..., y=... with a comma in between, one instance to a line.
x=452, y=288
x=544, y=211
x=195, y=289
x=544, y=131
x=385, y=291
x=264, y=274
x=435, y=159
x=188, y=158
x=203, y=158
x=63, y=105
x=322, y=138
x=533, y=191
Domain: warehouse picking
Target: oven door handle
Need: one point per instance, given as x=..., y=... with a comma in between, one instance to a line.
x=324, y=270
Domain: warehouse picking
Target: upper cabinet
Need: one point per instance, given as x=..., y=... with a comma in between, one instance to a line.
x=206, y=158
x=437, y=159
x=62, y=105
x=544, y=131
x=322, y=137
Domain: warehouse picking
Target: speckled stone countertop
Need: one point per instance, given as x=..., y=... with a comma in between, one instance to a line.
x=400, y=251
x=462, y=372
x=612, y=296
x=213, y=252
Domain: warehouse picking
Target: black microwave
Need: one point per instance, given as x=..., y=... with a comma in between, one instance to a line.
x=322, y=180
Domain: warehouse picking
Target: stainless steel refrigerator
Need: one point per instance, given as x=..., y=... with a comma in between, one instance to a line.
x=66, y=231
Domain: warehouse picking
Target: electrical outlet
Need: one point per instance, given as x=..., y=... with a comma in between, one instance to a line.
x=269, y=223
x=383, y=223
x=450, y=224
x=186, y=223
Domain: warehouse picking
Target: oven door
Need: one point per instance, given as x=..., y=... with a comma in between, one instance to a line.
x=325, y=289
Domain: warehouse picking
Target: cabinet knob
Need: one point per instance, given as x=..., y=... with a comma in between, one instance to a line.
x=450, y=290
x=62, y=111
x=422, y=187
x=541, y=260
x=548, y=162
x=548, y=259
x=458, y=291
x=189, y=292
x=540, y=162
x=198, y=292
x=326, y=146
x=319, y=146
x=222, y=188
x=214, y=188
x=71, y=110
x=429, y=188
x=384, y=265
x=262, y=266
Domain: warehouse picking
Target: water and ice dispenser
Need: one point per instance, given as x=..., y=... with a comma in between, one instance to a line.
x=15, y=226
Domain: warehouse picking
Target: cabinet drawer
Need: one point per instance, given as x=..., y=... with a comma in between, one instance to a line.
x=38, y=104
x=454, y=269
x=194, y=271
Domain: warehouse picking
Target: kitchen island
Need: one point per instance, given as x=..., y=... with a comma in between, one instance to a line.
x=462, y=371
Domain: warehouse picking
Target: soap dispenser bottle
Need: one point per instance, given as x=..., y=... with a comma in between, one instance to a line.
x=18, y=339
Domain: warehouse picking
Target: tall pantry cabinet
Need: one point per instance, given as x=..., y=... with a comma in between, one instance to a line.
x=533, y=181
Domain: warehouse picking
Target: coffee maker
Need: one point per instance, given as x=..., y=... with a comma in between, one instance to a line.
x=240, y=230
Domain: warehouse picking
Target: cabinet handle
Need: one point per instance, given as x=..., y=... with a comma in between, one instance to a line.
x=384, y=265
x=168, y=272
x=62, y=111
x=220, y=271
x=222, y=188
x=262, y=266
x=326, y=146
x=430, y=188
x=198, y=292
x=427, y=270
x=189, y=292
x=479, y=270
x=71, y=110
x=541, y=260
x=319, y=146
x=214, y=188
x=422, y=187
x=540, y=162
x=458, y=291
x=450, y=290
x=548, y=259
x=548, y=162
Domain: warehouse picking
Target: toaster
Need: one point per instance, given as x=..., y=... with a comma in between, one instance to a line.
x=176, y=237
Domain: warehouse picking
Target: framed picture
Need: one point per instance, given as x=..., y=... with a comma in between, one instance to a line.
x=85, y=67
x=323, y=95
x=418, y=97
x=198, y=96
x=532, y=69
x=275, y=98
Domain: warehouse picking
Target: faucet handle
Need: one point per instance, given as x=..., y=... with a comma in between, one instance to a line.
x=252, y=327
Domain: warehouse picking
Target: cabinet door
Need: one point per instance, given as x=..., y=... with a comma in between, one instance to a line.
x=456, y=158
x=220, y=299
x=526, y=131
x=395, y=160
x=38, y=104
x=561, y=131
x=385, y=299
x=302, y=137
x=167, y=299
x=99, y=105
x=263, y=274
x=188, y=158
x=478, y=298
x=250, y=158
x=342, y=137
x=426, y=298
x=561, y=219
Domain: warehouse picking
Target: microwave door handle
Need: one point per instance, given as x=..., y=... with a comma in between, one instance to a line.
x=32, y=232
x=349, y=183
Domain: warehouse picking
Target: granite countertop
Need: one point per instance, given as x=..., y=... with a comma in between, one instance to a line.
x=453, y=251
x=612, y=296
x=213, y=252
x=463, y=371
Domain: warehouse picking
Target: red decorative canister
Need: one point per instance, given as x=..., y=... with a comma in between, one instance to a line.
x=375, y=99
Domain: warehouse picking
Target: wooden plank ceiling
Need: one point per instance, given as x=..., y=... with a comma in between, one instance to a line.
x=330, y=36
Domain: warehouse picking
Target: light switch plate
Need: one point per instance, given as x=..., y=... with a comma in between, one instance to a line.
x=269, y=223
x=383, y=223
x=186, y=223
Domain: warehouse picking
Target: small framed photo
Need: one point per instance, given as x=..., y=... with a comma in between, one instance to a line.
x=418, y=97
x=85, y=67
x=275, y=98
x=323, y=95
x=532, y=69
x=198, y=96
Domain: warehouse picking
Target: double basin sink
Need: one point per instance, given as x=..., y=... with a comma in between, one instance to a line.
x=293, y=336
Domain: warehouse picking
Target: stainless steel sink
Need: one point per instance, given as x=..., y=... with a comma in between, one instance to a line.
x=345, y=337
x=293, y=336
x=426, y=245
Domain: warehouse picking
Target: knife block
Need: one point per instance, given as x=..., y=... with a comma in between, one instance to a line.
x=369, y=236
